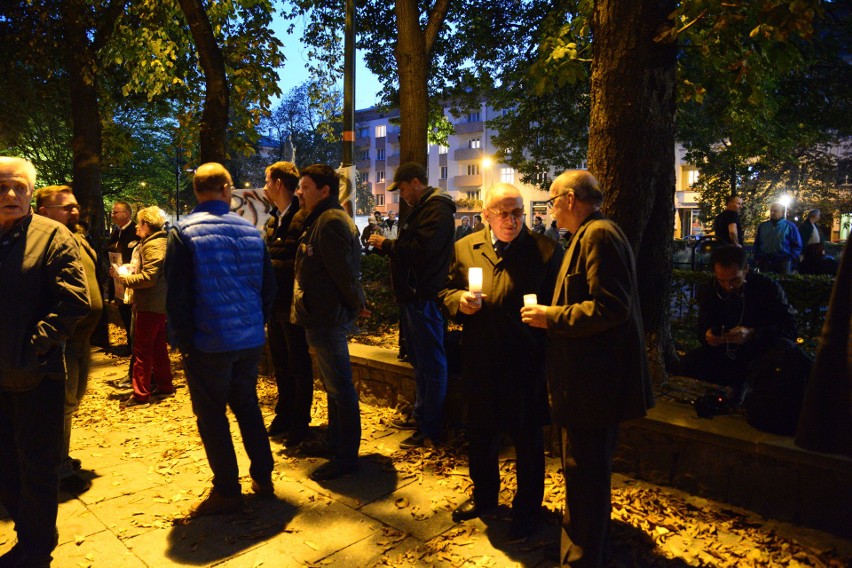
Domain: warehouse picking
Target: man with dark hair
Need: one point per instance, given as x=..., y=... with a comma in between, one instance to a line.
x=727, y=225
x=44, y=296
x=597, y=369
x=327, y=298
x=741, y=316
x=287, y=344
x=57, y=202
x=505, y=386
x=420, y=258
x=123, y=240
x=777, y=243
x=220, y=293
x=478, y=225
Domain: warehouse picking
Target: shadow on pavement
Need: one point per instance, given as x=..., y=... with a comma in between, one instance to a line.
x=376, y=478
x=207, y=540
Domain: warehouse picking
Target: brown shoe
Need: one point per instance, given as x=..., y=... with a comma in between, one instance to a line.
x=216, y=504
x=263, y=490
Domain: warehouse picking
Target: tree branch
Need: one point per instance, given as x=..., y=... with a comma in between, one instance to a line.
x=435, y=23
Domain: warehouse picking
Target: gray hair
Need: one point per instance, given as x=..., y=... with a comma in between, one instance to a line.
x=22, y=164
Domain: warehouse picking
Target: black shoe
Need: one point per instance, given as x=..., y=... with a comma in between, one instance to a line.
x=76, y=465
x=317, y=448
x=296, y=437
x=333, y=470
x=276, y=428
x=469, y=510
x=521, y=529
x=404, y=423
x=417, y=440
x=74, y=484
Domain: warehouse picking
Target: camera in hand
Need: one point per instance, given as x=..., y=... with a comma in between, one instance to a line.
x=712, y=403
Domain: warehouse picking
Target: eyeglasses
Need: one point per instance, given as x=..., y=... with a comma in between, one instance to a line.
x=516, y=214
x=552, y=201
x=69, y=208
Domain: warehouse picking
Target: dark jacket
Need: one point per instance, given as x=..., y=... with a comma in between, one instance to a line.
x=420, y=256
x=762, y=306
x=149, y=284
x=89, y=259
x=44, y=296
x=219, y=279
x=327, y=290
x=502, y=357
x=597, y=369
x=123, y=241
x=282, y=238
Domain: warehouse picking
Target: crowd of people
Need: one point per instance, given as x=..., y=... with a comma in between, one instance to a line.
x=549, y=333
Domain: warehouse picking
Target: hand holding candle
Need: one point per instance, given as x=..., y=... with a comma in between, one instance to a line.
x=530, y=299
x=474, y=280
x=471, y=301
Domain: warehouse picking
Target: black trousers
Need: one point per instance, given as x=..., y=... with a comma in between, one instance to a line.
x=293, y=373
x=485, y=468
x=587, y=462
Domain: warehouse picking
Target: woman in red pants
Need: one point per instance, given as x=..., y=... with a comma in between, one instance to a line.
x=149, y=310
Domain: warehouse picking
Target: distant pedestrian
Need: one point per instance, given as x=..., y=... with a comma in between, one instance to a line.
x=463, y=230
x=390, y=228
x=809, y=230
x=727, y=226
x=538, y=225
x=478, y=225
x=778, y=243
x=220, y=293
x=122, y=241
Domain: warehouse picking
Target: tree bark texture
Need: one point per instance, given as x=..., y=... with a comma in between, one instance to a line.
x=214, y=117
x=631, y=148
x=412, y=62
x=87, y=128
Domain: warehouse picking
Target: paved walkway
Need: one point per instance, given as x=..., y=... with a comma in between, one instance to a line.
x=147, y=465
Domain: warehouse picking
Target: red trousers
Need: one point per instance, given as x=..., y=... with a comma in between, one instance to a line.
x=151, y=354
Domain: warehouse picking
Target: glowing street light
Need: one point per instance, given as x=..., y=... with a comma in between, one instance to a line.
x=487, y=162
x=785, y=200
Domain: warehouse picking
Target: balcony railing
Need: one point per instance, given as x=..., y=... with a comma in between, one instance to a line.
x=462, y=154
x=468, y=181
x=470, y=127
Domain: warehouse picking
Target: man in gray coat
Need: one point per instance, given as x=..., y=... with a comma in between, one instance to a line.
x=597, y=369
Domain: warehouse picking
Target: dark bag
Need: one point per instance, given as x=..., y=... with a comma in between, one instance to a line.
x=777, y=382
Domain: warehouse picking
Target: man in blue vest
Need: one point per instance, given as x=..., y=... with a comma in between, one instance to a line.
x=220, y=293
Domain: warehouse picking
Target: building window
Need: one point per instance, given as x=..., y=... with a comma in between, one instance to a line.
x=691, y=177
x=474, y=143
x=380, y=176
x=363, y=132
x=473, y=194
x=443, y=149
x=380, y=199
x=364, y=155
x=380, y=153
x=473, y=169
x=473, y=116
x=507, y=174
x=443, y=172
x=381, y=131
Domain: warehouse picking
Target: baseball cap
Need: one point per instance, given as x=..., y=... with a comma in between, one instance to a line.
x=407, y=172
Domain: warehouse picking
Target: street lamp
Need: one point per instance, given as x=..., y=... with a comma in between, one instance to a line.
x=785, y=200
x=487, y=163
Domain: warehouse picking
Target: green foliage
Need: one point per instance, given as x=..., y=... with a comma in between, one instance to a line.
x=808, y=294
x=469, y=204
x=365, y=201
x=375, y=268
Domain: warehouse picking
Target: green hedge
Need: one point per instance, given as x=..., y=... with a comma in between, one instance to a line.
x=808, y=294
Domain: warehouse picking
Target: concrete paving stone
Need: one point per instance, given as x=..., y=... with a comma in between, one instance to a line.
x=322, y=528
x=100, y=550
x=143, y=511
x=376, y=479
x=420, y=509
x=124, y=479
x=375, y=550
x=75, y=520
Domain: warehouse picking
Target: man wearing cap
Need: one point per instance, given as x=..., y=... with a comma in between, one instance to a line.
x=420, y=259
x=44, y=296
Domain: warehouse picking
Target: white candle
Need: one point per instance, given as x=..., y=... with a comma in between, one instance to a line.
x=530, y=299
x=474, y=280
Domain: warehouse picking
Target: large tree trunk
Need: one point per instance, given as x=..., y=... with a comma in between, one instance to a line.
x=214, y=118
x=86, y=140
x=631, y=147
x=412, y=62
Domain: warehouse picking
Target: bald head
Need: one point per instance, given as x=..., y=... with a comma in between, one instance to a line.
x=212, y=181
x=502, y=191
x=583, y=184
x=504, y=211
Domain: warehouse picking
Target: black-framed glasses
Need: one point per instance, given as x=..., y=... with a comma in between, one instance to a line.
x=516, y=214
x=552, y=201
x=69, y=208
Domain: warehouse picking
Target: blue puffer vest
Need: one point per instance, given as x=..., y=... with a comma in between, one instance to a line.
x=227, y=253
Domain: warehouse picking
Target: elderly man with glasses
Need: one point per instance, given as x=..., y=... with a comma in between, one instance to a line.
x=503, y=359
x=597, y=369
x=123, y=240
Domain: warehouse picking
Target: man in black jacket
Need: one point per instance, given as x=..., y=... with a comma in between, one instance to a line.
x=123, y=240
x=287, y=344
x=742, y=315
x=420, y=259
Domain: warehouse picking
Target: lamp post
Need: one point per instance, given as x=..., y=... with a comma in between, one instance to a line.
x=487, y=163
x=785, y=200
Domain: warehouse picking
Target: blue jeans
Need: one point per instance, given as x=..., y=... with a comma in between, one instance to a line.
x=31, y=425
x=344, y=412
x=423, y=327
x=228, y=378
